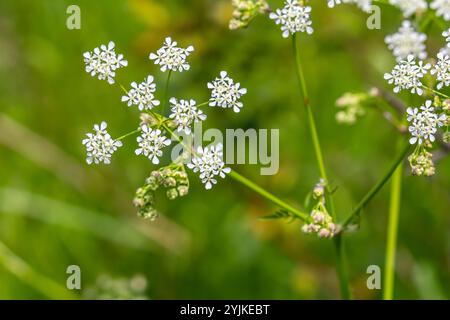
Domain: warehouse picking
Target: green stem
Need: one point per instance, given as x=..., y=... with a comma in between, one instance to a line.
x=368, y=197
x=128, y=134
x=436, y=92
x=338, y=241
x=166, y=92
x=202, y=104
x=248, y=183
x=394, y=212
x=341, y=266
x=17, y=266
x=262, y=192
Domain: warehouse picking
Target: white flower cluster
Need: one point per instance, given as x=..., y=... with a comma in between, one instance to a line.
x=322, y=225
x=442, y=8
x=99, y=145
x=410, y=7
x=442, y=70
x=424, y=123
x=209, y=163
x=103, y=62
x=142, y=94
x=184, y=113
x=364, y=5
x=226, y=93
x=171, y=57
x=293, y=18
x=151, y=142
x=407, y=75
x=407, y=42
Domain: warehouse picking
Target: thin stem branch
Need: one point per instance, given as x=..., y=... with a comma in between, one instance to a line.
x=391, y=246
x=377, y=187
x=248, y=183
x=262, y=192
x=443, y=95
x=128, y=134
x=338, y=241
x=341, y=266
x=166, y=92
x=202, y=104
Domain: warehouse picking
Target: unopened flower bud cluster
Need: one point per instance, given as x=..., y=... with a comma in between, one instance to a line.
x=322, y=223
x=173, y=178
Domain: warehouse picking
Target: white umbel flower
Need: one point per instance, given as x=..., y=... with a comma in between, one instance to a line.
x=151, y=142
x=103, y=62
x=442, y=8
x=142, y=95
x=407, y=41
x=442, y=70
x=424, y=123
x=407, y=75
x=171, y=57
x=184, y=113
x=293, y=18
x=226, y=93
x=410, y=7
x=99, y=145
x=209, y=163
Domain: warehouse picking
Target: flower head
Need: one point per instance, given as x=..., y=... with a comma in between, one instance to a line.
x=99, y=145
x=424, y=123
x=442, y=8
x=442, y=70
x=184, y=113
x=103, y=62
x=151, y=142
x=171, y=57
x=226, y=93
x=209, y=163
x=407, y=75
x=293, y=18
x=407, y=42
x=141, y=95
x=410, y=7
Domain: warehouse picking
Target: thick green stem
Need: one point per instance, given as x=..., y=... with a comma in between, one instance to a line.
x=341, y=266
x=338, y=241
x=394, y=212
x=368, y=197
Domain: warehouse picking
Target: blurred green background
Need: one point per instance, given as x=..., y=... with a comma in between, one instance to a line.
x=56, y=211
